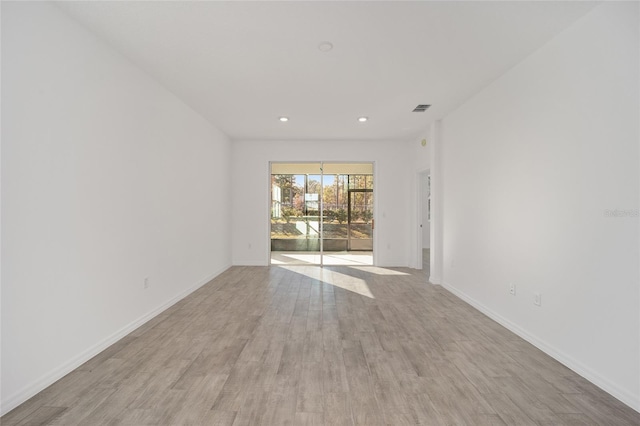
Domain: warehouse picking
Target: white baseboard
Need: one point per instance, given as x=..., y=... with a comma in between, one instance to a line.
x=57, y=373
x=611, y=388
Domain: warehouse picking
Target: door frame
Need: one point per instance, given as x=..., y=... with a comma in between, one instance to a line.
x=419, y=210
x=322, y=162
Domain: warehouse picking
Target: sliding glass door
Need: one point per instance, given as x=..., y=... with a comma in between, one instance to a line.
x=295, y=213
x=321, y=213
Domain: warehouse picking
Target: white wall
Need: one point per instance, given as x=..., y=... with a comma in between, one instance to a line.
x=425, y=209
x=251, y=198
x=421, y=155
x=107, y=179
x=437, y=203
x=531, y=165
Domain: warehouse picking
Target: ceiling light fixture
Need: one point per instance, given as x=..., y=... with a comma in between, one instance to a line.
x=325, y=46
x=363, y=119
x=284, y=119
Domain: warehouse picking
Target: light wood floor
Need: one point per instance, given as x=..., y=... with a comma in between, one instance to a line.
x=335, y=346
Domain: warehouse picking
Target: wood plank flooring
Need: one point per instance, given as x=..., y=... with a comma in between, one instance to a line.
x=311, y=346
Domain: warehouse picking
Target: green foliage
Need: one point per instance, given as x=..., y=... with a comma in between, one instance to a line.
x=341, y=215
x=290, y=190
x=288, y=212
x=367, y=215
x=330, y=215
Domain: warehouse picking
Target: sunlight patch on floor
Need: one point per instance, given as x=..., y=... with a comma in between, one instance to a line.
x=378, y=271
x=349, y=258
x=313, y=258
x=334, y=278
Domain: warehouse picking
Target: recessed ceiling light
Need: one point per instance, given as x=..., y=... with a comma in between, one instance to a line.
x=325, y=46
x=284, y=119
x=363, y=119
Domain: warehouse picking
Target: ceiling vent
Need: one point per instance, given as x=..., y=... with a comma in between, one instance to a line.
x=421, y=108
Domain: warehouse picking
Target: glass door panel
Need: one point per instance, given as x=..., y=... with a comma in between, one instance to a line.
x=348, y=216
x=334, y=201
x=295, y=213
x=361, y=220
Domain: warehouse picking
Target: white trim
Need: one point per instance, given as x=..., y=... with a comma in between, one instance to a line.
x=321, y=214
x=374, y=233
x=436, y=225
x=434, y=280
x=267, y=216
x=321, y=163
x=603, y=383
x=418, y=225
x=57, y=373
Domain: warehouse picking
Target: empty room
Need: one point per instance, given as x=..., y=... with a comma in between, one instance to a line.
x=320, y=213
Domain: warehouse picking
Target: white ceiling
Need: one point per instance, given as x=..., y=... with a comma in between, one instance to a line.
x=244, y=64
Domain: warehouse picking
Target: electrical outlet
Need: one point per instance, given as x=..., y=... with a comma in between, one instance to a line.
x=537, y=299
x=512, y=289
x=146, y=283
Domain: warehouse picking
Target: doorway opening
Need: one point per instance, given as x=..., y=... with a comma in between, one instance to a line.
x=321, y=213
x=424, y=220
